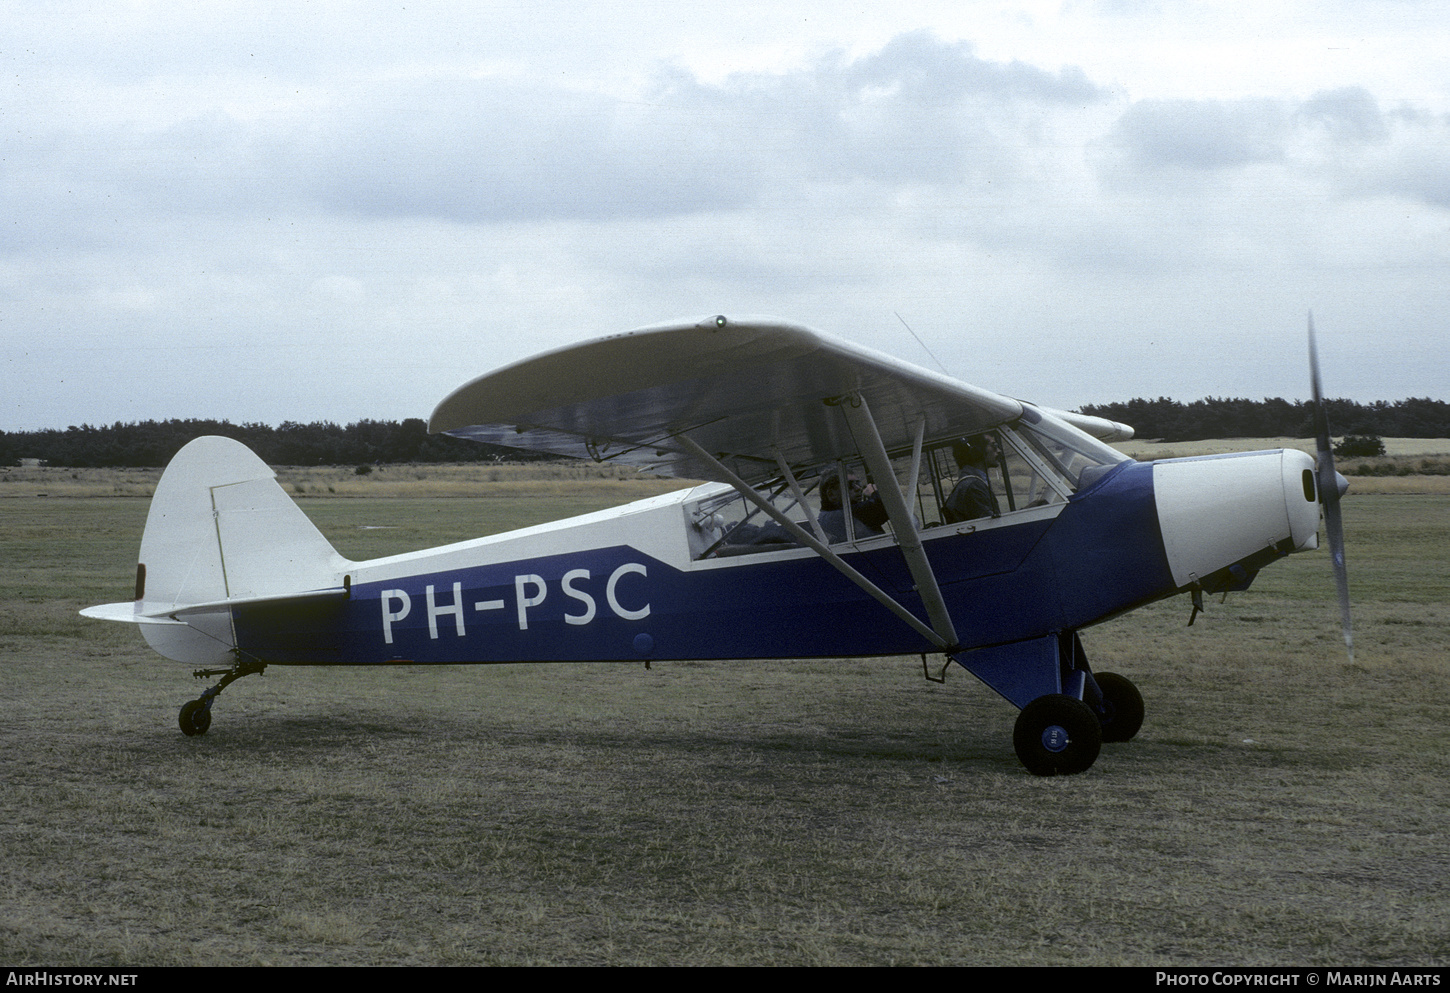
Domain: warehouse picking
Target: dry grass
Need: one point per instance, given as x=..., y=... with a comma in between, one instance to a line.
x=1422, y=485
x=1281, y=805
x=1411, y=465
x=618, y=484
x=610, y=483
x=1147, y=451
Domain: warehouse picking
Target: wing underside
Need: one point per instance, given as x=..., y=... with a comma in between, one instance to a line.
x=750, y=391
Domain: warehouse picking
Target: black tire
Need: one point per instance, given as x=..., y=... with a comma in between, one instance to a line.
x=1122, y=714
x=195, y=718
x=1057, y=735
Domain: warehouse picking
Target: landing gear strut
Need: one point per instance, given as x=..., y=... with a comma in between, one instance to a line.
x=195, y=716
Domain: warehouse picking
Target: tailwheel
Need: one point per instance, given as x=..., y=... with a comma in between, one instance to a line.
x=1057, y=735
x=195, y=718
x=1122, y=713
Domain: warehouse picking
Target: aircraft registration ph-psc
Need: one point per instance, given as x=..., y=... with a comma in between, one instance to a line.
x=528, y=591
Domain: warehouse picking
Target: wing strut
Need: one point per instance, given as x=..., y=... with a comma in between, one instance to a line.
x=915, y=480
x=815, y=544
x=868, y=439
x=795, y=489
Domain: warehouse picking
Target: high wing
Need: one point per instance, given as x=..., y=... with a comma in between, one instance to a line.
x=752, y=391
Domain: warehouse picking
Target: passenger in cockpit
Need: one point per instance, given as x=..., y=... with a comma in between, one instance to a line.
x=866, y=508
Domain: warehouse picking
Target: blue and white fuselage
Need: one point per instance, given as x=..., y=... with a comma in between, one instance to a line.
x=622, y=584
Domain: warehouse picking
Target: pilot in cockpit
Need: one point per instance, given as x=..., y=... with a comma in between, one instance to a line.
x=972, y=497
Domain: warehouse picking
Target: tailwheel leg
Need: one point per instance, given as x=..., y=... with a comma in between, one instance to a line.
x=195, y=716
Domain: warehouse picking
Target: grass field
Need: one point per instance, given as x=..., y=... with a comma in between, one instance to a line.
x=1281, y=805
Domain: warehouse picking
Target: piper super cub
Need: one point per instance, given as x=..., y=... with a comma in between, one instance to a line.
x=856, y=506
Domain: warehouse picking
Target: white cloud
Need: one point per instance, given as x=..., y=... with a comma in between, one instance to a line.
x=332, y=216
x=1200, y=134
x=489, y=149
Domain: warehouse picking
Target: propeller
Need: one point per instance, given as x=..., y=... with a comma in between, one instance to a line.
x=1331, y=487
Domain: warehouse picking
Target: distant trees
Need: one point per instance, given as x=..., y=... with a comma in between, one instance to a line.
x=1221, y=417
x=153, y=443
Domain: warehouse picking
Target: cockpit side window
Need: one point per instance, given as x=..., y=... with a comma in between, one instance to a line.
x=724, y=523
x=987, y=475
x=966, y=479
x=1033, y=462
x=999, y=472
x=1028, y=479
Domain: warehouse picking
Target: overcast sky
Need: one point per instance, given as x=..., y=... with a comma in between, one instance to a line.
x=333, y=211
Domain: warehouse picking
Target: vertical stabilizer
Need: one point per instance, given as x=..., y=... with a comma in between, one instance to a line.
x=221, y=528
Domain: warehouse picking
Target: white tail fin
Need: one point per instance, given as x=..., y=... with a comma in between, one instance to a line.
x=222, y=529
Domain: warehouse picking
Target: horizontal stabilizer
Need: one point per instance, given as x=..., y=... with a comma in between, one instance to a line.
x=126, y=612
x=151, y=612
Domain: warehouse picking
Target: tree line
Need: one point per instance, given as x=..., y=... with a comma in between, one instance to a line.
x=153, y=443
x=1221, y=417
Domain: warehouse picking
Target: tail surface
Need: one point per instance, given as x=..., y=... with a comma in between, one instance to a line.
x=221, y=532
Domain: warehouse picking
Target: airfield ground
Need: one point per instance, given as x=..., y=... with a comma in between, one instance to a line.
x=1281, y=805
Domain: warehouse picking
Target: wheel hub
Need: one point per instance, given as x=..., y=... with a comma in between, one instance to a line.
x=1055, y=738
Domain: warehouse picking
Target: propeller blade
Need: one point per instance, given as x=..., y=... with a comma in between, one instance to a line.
x=1329, y=492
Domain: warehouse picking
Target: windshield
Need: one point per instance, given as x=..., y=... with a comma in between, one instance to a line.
x=1077, y=455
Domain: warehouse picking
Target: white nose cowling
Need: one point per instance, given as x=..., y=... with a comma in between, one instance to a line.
x=1219, y=510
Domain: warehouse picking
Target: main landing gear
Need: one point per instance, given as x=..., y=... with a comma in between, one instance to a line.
x=1059, y=735
x=1067, y=710
x=195, y=716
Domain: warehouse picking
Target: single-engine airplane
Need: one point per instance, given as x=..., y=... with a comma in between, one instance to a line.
x=856, y=506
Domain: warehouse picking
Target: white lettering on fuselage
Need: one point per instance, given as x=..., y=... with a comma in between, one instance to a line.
x=530, y=590
x=580, y=595
x=628, y=615
x=525, y=602
x=435, y=611
x=389, y=616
